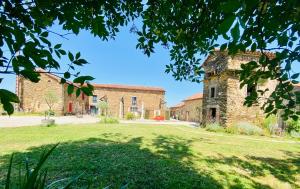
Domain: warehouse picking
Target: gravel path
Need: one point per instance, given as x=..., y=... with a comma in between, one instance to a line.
x=20, y=121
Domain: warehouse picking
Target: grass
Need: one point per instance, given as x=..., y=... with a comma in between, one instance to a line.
x=153, y=156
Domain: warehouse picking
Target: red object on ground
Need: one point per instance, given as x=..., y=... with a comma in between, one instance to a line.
x=159, y=118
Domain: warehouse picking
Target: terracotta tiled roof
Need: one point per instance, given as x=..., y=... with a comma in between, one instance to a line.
x=178, y=105
x=111, y=86
x=129, y=87
x=194, y=97
x=296, y=85
x=55, y=77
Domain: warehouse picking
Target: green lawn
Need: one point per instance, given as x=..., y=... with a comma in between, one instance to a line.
x=152, y=156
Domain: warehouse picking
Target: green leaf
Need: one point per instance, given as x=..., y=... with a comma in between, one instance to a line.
x=223, y=47
x=253, y=47
x=78, y=92
x=63, y=80
x=71, y=57
x=8, y=177
x=67, y=75
x=62, y=52
x=70, y=89
x=226, y=24
x=57, y=46
x=82, y=79
x=235, y=32
x=295, y=76
x=44, y=34
x=77, y=55
x=45, y=41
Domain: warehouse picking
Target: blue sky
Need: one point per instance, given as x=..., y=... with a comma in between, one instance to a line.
x=119, y=62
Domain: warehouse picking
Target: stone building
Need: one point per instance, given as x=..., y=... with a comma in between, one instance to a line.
x=190, y=109
x=176, y=111
x=34, y=97
x=223, y=98
x=144, y=102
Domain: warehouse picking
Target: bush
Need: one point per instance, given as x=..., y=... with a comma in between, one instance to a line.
x=109, y=120
x=130, y=116
x=214, y=127
x=293, y=125
x=295, y=134
x=247, y=129
x=270, y=124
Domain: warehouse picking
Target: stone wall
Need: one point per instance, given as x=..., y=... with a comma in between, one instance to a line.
x=192, y=110
x=33, y=95
x=79, y=104
x=236, y=111
x=219, y=101
x=152, y=101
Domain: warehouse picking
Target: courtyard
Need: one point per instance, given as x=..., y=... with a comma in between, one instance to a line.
x=155, y=156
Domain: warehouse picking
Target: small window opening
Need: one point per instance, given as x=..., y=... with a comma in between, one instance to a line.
x=212, y=92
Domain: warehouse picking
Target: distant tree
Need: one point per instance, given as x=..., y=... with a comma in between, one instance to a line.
x=103, y=107
x=51, y=99
x=188, y=28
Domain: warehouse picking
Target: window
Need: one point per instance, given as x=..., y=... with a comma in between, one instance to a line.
x=250, y=89
x=133, y=109
x=212, y=92
x=94, y=98
x=156, y=113
x=82, y=96
x=213, y=113
x=133, y=101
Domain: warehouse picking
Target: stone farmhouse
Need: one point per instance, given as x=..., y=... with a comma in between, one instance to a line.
x=190, y=109
x=33, y=96
x=146, y=102
x=223, y=98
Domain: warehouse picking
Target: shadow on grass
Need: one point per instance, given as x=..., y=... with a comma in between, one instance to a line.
x=286, y=170
x=106, y=162
x=170, y=164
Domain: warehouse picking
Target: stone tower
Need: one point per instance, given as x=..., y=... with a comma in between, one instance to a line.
x=223, y=98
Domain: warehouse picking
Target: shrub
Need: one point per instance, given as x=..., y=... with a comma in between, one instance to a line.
x=270, y=124
x=109, y=120
x=214, y=127
x=130, y=116
x=295, y=134
x=231, y=130
x=247, y=129
x=293, y=125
